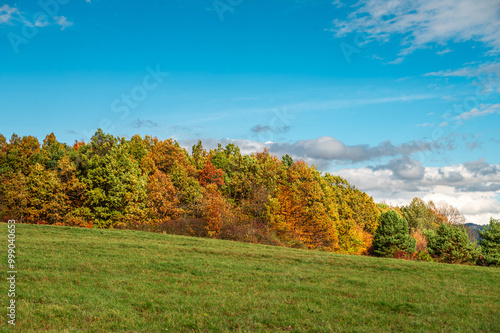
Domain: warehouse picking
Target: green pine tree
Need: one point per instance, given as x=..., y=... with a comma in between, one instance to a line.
x=117, y=189
x=490, y=243
x=392, y=234
x=450, y=243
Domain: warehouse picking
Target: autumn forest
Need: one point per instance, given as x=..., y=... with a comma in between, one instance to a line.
x=156, y=185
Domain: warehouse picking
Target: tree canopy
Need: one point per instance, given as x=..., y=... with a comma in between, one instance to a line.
x=111, y=182
x=152, y=184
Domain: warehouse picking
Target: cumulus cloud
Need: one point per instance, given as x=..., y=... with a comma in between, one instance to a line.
x=473, y=187
x=404, y=168
x=481, y=168
x=451, y=176
x=324, y=151
x=327, y=149
x=423, y=23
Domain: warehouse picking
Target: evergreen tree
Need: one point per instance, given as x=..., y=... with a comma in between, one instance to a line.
x=490, y=243
x=451, y=244
x=392, y=234
x=117, y=189
x=287, y=160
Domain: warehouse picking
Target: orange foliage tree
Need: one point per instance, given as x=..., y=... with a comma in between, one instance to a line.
x=300, y=214
x=162, y=200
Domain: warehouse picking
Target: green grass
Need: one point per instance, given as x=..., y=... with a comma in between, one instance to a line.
x=90, y=280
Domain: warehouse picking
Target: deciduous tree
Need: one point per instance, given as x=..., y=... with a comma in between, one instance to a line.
x=162, y=198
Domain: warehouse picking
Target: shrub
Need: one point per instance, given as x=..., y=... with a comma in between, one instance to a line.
x=451, y=244
x=392, y=235
x=402, y=255
x=422, y=256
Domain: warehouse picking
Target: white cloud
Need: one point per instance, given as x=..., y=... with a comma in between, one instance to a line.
x=12, y=15
x=396, y=61
x=406, y=168
x=41, y=22
x=480, y=111
x=7, y=13
x=337, y=3
x=472, y=187
x=325, y=150
x=424, y=125
x=63, y=22
x=486, y=78
x=422, y=23
x=404, y=78
x=443, y=52
x=472, y=70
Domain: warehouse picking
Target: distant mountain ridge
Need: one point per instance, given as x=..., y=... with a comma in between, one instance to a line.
x=473, y=231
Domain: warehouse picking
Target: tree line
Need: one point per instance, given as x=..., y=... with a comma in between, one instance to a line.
x=156, y=185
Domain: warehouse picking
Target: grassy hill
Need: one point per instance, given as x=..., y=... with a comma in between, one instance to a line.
x=90, y=280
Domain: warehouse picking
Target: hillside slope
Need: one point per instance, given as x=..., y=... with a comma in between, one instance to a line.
x=93, y=280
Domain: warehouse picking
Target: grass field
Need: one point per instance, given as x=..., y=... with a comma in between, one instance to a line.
x=90, y=280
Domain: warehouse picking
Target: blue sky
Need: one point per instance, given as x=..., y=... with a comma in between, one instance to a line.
x=401, y=98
